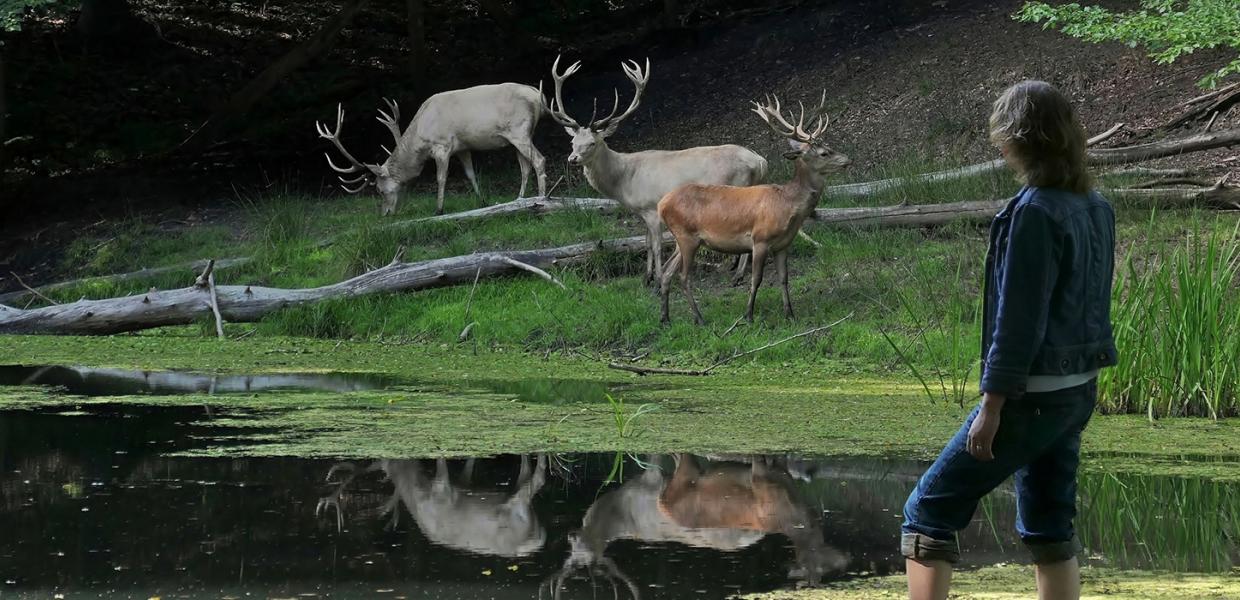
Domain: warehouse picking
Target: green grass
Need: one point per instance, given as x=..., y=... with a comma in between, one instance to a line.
x=1178, y=326
x=912, y=293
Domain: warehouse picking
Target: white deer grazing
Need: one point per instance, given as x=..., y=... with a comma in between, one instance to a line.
x=760, y=219
x=453, y=123
x=451, y=515
x=638, y=180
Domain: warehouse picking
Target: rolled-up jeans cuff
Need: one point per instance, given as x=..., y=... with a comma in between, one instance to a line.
x=1045, y=553
x=923, y=547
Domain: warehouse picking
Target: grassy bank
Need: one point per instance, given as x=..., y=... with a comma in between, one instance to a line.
x=456, y=403
x=913, y=294
x=1012, y=582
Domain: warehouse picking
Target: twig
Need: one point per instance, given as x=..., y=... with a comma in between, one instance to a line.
x=1104, y=136
x=732, y=327
x=720, y=363
x=465, y=332
x=1204, y=97
x=531, y=268
x=654, y=370
x=30, y=289
x=470, y=302
x=1134, y=171
x=215, y=306
x=1210, y=125
x=553, y=186
x=1153, y=183
x=811, y=240
x=776, y=343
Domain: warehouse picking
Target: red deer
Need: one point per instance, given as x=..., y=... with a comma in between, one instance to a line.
x=638, y=179
x=731, y=507
x=760, y=219
x=452, y=123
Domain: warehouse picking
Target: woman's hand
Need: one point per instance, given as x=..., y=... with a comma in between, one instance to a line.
x=985, y=425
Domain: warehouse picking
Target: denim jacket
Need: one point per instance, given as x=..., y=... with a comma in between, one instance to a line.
x=1047, y=300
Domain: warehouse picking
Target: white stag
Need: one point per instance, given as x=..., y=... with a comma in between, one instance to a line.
x=637, y=180
x=454, y=516
x=448, y=124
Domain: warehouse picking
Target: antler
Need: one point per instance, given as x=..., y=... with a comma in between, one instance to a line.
x=333, y=500
x=357, y=165
x=556, y=107
x=391, y=121
x=639, y=78
x=772, y=114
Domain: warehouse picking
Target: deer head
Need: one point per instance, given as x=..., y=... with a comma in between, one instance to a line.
x=588, y=139
x=382, y=176
x=806, y=145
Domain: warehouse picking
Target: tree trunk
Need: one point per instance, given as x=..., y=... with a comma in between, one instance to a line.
x=241, y=304
x=244, y=99
x=419, y=56
x=112, y=21
x=245, y=304
x=1103, y=156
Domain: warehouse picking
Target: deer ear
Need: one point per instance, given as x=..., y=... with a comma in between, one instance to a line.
x=570, y=131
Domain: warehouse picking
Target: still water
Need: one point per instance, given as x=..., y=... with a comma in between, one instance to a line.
x=91, y=505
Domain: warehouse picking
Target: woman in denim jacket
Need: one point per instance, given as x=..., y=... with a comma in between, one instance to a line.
x=1046, y=331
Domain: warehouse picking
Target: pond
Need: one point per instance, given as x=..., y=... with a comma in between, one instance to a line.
x=91, y=503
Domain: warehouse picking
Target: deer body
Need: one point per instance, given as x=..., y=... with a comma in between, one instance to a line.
x=762, y=220
x=448, y=124
x=638, y=180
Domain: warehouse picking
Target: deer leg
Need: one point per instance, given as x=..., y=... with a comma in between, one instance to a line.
x=781, y=267
x=686, y=269
x=742, y=261
x=758, y=266
x=655, y=251
x=666, y=282
x=441, y=176
x=525, y=173
x=540, y=168
x=467, y=161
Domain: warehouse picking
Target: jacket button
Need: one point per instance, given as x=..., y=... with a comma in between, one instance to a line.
x=1102, y=356
x=1064, y=363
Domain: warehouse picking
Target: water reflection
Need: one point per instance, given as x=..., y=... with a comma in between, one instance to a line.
x=90, y=504
x=451, y=513
x=91, y=381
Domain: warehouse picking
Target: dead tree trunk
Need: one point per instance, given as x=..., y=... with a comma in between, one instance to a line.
x=244, y=99
x=419, y=56
x=4, y=139
x=1102, y=156
x=245, y=304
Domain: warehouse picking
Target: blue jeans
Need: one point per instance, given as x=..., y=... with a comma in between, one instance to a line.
x=1039, y=441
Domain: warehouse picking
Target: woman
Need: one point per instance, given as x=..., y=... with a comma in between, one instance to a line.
x=1046, y=331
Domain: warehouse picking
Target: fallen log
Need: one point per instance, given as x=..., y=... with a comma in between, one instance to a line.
x=246, y=304
x=535, y=205
x=1102, y=156
x=141, y=274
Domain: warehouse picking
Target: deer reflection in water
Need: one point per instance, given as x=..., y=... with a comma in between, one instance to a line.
x=726, y=506
x=454, y=514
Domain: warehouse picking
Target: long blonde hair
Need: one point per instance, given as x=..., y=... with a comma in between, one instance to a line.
x=1044, y=139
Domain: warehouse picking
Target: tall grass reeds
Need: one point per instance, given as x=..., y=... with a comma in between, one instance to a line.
x=1177, y=325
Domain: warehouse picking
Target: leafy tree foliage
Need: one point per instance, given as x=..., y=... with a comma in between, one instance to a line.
x=13, y=11
x=1168, y=29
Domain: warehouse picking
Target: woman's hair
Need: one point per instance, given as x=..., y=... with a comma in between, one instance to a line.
x=1045, y=142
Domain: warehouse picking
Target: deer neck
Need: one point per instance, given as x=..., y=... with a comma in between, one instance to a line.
x=406, y=161
x=606, y=170
x=805, y=188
